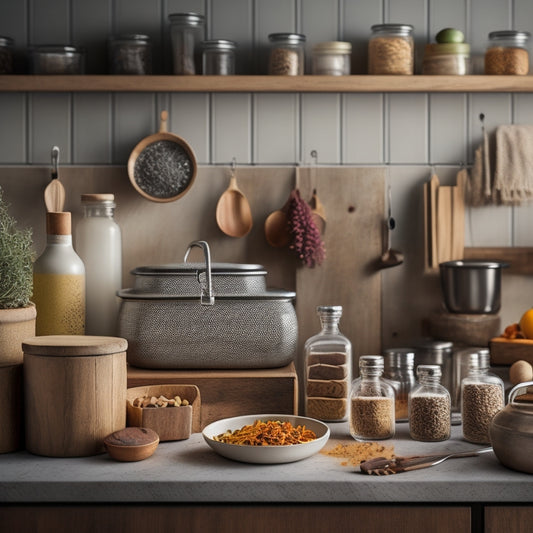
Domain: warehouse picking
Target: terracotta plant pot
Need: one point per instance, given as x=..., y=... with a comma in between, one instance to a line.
x=15, y=326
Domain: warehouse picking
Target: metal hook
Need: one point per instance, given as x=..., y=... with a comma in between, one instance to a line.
x=314, y=155
x=233, y=165
x=55, y=161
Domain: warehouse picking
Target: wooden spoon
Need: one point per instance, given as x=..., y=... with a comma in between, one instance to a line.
x=54, y=194
x=276, y=227
x=233, y=213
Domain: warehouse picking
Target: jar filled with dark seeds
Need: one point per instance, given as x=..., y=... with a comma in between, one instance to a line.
x=6, y=55
x=218, y=57
x=371, y=402
x=429, y=406
x=482, y=395
x=130, y=54
x=287, y=56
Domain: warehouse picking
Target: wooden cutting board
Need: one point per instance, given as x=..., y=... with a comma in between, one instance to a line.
x=506, y=351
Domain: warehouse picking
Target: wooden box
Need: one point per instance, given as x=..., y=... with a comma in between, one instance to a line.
x=506, y=351
x=170, y=423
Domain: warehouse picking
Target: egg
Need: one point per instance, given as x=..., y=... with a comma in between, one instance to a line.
x=520, y=372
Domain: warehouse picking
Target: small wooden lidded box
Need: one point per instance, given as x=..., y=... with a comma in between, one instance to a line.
x=170, y=423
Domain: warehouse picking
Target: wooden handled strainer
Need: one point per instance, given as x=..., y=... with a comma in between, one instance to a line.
x=162, y=167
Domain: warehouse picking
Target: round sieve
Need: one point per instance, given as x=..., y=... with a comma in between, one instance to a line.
x=162, y=166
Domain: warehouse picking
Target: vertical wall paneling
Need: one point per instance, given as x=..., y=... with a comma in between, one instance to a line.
x=50, y=22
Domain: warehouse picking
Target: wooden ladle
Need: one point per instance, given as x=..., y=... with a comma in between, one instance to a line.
x=233, y=213
x=276, y=228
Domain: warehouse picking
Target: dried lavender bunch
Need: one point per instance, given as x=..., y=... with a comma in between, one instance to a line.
x=305, y=236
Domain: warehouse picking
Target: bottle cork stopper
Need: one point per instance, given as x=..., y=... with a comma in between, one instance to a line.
x=97, y=197
x=58, y=223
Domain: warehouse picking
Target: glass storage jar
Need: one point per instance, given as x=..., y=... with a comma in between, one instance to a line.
x=57, y=59
x=186, y=32
x=507, y=53
x=130, y=54
x=332, y=58
x=6, y=55
x=218, y=57
x=391, y=49
x=482, y=396
x=399, y=364
x=451, y=59
x=371, y=402
x=429, y=406
x=328, y=368
x=287, y=54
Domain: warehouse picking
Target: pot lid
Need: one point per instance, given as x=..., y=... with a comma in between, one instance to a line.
x=191, y=269
x=278, y=295
x=73, y=345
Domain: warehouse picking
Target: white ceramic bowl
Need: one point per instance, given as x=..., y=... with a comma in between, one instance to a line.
x=266, y=454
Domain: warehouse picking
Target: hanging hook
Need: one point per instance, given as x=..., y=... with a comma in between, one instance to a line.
x=482, y=120
x=314, y=155
x=233, y=164
x=55, y=160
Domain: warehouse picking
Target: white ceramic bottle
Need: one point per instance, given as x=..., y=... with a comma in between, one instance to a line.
x=98, y=241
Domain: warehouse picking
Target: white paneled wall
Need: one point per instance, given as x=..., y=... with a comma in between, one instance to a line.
x=408, y=132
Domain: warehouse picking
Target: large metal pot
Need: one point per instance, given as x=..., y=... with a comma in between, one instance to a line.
x=471, y=287
x=204, y=315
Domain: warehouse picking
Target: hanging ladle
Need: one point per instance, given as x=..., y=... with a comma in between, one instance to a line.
x=54, y=194
x=233, y=213
x=390, y=257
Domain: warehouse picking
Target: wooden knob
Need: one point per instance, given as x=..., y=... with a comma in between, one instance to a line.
x=58, y=223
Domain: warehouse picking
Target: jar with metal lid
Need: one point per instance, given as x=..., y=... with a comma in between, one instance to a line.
x=399, y=364
x=391, y=49
x=186, y=32
x=328, y=368
x=436, y=352
x=218, y=57
x=287, y=54
x=130, y=54
x=507, y=53
x=332, y=58
x=429, y=406
x=482, y=396
x=446, y=59
x=371, y=402
x=57, y=59
x=6, y=55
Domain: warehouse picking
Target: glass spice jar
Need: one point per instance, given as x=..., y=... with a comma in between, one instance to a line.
x=186, y=31
x=328, y=368
x=482, y=395
x=218, y=57
x=287, y=56
x=452, y=59
x=371, y=402
x=6, y=55
x=399, y=364
x=429, y=406
x=130, y=54
x=391, y=49
x=332, y=58
x=57, y=59
x=507, y=53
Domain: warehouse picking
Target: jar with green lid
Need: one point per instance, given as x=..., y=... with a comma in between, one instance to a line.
x=130, y=54
x=332, y=58
x=451, y=59
x=287, y=54
x=507, y=53
x=391, y=49
x=6, y=55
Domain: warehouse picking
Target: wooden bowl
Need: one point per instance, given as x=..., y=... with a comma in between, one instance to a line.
x=131, y=444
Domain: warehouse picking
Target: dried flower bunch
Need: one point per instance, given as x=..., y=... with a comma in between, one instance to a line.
x=16, y=261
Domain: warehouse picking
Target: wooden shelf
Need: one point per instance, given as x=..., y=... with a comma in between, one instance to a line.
x=268, y=84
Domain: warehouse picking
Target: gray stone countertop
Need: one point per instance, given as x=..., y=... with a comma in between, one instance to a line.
x=189, y=471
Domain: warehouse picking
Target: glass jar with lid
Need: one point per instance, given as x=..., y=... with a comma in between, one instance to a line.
x=507, y=53
x=399, y=365
x=57, y=59
x=130, y=54
x=451, y=59
x=482, y=396
x=391, y=49
x=218, y=57
x=371, y=402
x=332, y=58
x=429, y=406
x=328, y=368
x=186, y=32
x=287, y=54
x=6, y=55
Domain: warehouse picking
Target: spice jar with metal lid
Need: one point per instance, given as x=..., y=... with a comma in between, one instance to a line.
x=451, y=59
x=57, y=59
x=328, y=368
x=507, y=53
x=332, y=58
x=429, y=406
x=287, y=54
x=186, y=32
x=218, y=57
x=399, y=364
x=130, y=54
x=391, y=49
x=371, y=402
x=482, y=396
x=6, y=55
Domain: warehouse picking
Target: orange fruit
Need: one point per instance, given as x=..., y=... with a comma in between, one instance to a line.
x=526, y=324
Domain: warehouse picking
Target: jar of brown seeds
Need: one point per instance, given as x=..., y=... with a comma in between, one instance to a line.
x=391, y=49
x=507, y=53
x=287, y=55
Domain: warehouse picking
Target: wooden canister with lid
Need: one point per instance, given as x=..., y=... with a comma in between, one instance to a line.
x=75, y=393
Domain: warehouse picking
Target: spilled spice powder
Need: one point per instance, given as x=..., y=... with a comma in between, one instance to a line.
x=357, y=452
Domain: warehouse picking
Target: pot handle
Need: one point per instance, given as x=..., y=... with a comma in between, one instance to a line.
x=517, y=388
x=204, y=278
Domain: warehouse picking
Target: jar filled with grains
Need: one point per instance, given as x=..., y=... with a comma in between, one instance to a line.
x=6, y=55
x=507, y=53
x=130, y=54
x=287, y=55
x=328, y=368
x=391, y=49
x=371, y=402
x=218, y=57
x=186, y=32
x=332, y=58
x=429, y=406
x=399, y=364
x=482, y=396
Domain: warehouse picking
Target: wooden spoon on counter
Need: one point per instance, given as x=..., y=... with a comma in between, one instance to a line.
x=54, y=194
